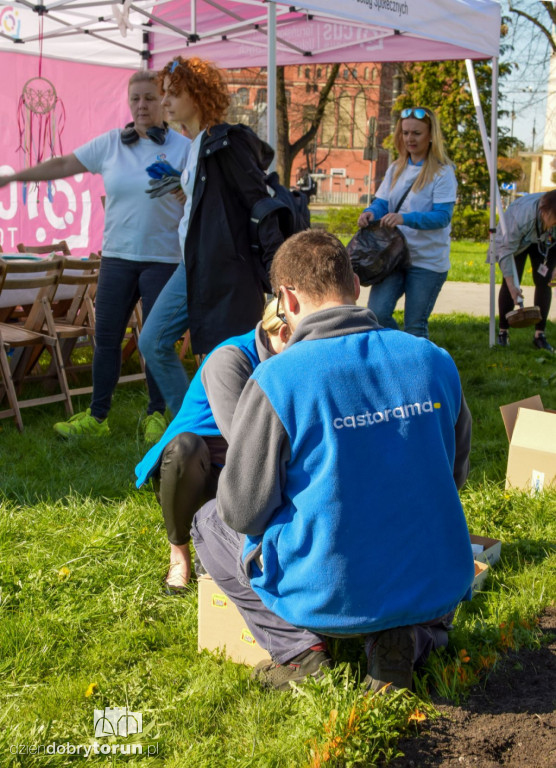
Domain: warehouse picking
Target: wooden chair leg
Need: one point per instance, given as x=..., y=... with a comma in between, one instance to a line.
x=9, y=387
x=58, y=359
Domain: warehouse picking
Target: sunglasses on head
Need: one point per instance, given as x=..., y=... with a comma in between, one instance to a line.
x=419, y=112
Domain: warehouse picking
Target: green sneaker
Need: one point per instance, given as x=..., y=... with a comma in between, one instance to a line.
x=154, y=427
x=82, y=424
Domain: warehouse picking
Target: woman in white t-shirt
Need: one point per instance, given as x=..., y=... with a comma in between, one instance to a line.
x=140, y=248
x=423, y=168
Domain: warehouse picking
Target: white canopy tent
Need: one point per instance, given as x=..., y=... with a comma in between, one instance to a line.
x=256, y=33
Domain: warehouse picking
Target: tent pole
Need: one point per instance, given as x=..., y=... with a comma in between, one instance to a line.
x=271, y=81
x=494, y=191
x=490, y=149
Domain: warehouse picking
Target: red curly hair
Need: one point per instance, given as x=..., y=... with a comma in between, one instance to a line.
x=203, y=82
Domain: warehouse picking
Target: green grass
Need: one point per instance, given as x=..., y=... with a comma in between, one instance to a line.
x=83, y=554
x=469, y=266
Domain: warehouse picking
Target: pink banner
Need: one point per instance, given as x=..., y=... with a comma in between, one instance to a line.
x=94, y=100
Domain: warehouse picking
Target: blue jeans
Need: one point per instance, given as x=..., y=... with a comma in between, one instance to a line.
x=168, y=321
x=121, y=284
x=421, y=288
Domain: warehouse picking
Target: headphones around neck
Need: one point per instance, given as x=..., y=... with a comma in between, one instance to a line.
x=155, y=133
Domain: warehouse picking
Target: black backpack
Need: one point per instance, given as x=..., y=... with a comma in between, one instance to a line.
x=291, y=206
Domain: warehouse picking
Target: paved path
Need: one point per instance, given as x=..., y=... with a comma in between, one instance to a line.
x=471, y=298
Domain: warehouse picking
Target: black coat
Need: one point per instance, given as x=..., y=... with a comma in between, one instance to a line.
x=225, y=280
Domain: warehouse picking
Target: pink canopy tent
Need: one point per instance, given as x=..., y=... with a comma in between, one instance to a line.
x=240, y=33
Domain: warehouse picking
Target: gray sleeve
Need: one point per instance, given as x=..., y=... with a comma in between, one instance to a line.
x=250, y=486
x=224, y=375
x=463, y=444
x=510, y=244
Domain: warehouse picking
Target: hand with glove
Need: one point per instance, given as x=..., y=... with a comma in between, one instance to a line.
x=164, y=179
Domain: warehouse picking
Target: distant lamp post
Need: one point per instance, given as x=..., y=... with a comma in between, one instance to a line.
x=370, y=152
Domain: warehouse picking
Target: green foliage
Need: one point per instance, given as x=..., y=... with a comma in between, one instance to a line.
x=470, y=224
x=346, y=726
x=342, y=221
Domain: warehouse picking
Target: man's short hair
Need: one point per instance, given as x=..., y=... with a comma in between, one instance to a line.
x=316, y=264
x=548, y=202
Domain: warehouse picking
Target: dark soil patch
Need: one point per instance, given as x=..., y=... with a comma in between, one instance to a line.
x=510, y=721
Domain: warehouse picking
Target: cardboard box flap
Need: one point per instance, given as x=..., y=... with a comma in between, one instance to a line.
x=535, y=430
x=509, y=412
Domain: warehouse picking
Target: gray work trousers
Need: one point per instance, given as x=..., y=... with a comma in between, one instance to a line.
x=219, y=549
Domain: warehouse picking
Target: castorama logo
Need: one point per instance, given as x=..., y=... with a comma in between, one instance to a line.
x=369, y=418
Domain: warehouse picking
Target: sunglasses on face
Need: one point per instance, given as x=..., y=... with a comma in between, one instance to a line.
x=419, y=112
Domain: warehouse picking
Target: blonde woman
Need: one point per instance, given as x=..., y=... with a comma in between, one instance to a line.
x=140, y=246
x=186, y=463
x=423, y=171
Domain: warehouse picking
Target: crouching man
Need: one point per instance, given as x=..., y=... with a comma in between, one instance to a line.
x=337, y=512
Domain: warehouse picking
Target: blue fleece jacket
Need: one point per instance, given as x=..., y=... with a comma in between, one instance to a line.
x=195, y=414
x=369, y=532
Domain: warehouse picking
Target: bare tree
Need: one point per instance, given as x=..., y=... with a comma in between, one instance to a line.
x=539, y=19
x=287, y=151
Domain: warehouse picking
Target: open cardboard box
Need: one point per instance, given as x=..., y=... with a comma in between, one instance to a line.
x=221, y=627
x=531, y=431
x=481, y=572
x=491, y=549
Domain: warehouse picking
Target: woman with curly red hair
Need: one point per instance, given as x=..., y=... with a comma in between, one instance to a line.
x=218, y=291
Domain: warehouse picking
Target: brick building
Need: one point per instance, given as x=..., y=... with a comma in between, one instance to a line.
x=360, y=102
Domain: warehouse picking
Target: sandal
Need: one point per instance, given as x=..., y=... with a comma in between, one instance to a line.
x=175, y=589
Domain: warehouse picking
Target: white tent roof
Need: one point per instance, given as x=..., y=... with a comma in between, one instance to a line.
x=233, y=33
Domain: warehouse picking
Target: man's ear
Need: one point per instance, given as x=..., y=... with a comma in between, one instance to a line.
x=284, y=333
x=289, y=300
x=356, y=285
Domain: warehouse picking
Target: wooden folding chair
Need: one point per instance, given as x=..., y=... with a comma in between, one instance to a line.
x=61, y=248
x=39, y=280
x=76, y=328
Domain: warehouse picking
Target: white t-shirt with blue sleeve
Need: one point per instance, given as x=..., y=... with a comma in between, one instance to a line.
x=429, y=248
x=136, y=226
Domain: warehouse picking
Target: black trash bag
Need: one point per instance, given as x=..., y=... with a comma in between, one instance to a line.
x=376, y=252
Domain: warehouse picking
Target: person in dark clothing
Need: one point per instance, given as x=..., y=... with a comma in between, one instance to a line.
x=219, y=290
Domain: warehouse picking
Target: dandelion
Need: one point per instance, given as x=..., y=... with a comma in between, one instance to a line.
x=63, y=573
x=144, y=529
x=91, y=690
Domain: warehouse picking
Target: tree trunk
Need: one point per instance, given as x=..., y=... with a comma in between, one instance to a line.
x=287, y=152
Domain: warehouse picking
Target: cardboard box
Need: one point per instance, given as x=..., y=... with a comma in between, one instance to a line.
x=221, y=627
x=491, y=549
x=531, y=431
x=481, y=572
